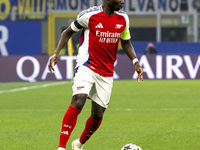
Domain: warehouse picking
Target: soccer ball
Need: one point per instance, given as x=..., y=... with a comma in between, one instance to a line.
x=131, y=147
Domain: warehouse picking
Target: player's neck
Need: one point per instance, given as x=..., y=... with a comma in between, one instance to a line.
x=107, y=10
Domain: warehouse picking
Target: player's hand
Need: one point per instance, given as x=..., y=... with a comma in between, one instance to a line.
x=139, y=70
x=53, y=61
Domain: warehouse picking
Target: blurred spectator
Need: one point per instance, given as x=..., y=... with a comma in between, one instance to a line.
x=150, y=49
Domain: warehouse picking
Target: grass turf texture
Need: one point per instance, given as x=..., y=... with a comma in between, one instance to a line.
x=155, y=114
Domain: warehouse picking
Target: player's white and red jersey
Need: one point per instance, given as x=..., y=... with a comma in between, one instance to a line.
x=101, y=34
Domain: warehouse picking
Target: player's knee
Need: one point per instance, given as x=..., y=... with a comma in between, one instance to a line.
x=97, y=116
x=97, y=111
x=79, y=100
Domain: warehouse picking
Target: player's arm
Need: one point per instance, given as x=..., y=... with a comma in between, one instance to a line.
x=65, y=36
x=129, y=50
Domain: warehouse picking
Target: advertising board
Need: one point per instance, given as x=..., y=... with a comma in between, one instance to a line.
x=35, y=68
x=20, y=38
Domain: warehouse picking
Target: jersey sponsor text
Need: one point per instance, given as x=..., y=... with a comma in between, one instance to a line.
x=108, y=37
x=108, y=34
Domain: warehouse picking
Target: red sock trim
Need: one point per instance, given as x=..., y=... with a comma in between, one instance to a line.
x=68, y=124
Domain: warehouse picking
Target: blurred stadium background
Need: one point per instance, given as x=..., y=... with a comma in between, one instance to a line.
x=29, y=30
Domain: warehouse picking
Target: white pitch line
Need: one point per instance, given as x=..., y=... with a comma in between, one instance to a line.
x=34, y=87
x=155, y=109
x=32, y=110
x=112, y=109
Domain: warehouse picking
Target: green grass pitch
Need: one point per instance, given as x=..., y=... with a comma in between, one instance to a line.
x=155, y=114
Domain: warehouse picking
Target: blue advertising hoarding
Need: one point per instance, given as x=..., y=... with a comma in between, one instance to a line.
x=168, y=47
x=20, y=38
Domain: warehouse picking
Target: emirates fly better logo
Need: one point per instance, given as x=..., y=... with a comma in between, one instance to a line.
x=108, y=37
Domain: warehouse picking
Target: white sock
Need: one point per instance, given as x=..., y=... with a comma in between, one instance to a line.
x=78, y=144
x=61, y=148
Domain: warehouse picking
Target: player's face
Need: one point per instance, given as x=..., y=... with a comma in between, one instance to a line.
x=116, y=4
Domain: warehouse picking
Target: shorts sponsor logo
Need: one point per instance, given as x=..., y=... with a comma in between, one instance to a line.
x=79, y=88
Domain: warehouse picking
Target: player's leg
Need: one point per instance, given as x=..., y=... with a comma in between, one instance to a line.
x=83, y=82
x=100, y=95
x=70, y=118
x=92, y=124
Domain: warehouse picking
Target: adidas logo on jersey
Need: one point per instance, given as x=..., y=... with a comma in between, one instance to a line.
x=99, y=26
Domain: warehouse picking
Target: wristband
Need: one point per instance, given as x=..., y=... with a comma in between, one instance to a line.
x=135, y=60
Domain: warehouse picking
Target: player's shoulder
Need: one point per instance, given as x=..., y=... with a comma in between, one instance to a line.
x=122, y=13
x=90, y=11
